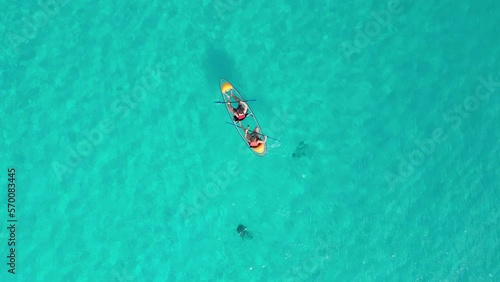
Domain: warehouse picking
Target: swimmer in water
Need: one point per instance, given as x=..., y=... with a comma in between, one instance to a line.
x=242, y=231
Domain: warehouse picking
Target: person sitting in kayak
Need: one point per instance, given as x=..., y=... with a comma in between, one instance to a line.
x=253, y=138
x=239, y=113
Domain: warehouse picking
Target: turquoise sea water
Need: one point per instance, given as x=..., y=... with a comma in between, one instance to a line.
x=126, y=170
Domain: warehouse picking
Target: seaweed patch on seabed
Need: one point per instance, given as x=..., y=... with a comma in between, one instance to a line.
x=217, y=64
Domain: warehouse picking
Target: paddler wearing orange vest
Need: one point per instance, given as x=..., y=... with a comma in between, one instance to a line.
x=253, y=138
x=239, y=113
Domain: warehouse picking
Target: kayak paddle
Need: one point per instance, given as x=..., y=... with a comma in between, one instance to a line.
x=257, y=133
x=218, y=102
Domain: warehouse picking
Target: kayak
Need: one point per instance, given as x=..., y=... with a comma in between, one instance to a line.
x=226, y=87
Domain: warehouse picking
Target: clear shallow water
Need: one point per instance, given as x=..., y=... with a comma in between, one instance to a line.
x=372, y=199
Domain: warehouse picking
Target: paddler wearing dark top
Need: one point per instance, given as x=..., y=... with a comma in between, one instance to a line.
x=253, y=138
x=240, y=113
